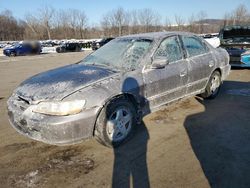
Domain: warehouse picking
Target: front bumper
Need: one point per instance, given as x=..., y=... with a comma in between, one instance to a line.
x=6, y=52
x=56, y=130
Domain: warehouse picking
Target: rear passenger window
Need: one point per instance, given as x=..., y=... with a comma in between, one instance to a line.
x=170, y=49
x=193, y=46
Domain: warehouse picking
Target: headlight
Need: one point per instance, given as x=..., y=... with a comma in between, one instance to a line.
x=59, y=108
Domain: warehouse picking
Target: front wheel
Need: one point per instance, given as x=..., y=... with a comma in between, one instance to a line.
x=213, y=86
x=12, y=54
x=115, y=123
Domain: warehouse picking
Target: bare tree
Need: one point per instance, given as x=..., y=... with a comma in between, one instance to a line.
x=62, y=19
x=238, y=16
x=10, y=28
x=202, y=15
x=148, y=19
x=119, y=18
x=134, y=22
x=179, y=22
x=192, y=24
x=34, y=29
x=227, y=19
x=106, y=24
x=168, y=24
x=82, y=23
x=115, y=21
x=46, y=15
x=47, y=23
x=241, y=14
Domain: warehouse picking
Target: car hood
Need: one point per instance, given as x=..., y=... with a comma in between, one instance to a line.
x=235, y=35
x=61, y=82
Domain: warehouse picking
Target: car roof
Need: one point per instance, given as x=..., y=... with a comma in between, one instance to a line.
x=156, y=35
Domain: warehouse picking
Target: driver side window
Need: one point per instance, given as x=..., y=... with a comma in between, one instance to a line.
x=169, y=49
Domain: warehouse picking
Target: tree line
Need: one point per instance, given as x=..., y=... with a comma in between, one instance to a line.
x=48, y=23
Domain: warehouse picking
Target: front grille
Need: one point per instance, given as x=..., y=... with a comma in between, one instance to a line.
x=21, y=103
x=23, y=99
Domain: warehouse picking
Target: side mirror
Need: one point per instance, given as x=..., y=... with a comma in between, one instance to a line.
x=159, y=63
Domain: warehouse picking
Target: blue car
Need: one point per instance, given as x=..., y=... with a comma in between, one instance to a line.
x=239, y=57
x=245, y=59
x=23, y=49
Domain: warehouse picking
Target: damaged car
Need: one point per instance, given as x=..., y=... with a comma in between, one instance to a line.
x=107, y=93
x=236, y=40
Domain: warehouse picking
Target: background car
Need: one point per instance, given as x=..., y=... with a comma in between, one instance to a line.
x=24, y=48
x=2, y=45
x=108, y=92
x=98, y=44
x=236, y=40
x=69, y=47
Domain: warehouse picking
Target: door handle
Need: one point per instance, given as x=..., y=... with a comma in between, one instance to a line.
x=211, y=63
x=184, y=73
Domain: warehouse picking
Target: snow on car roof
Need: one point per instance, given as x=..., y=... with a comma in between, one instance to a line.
x=156, y=35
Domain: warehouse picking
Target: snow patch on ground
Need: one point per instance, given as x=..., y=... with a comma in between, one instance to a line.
x=49, y=50
x=1, y=52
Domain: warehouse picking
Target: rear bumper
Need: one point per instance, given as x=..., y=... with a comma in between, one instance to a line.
x=56, y=130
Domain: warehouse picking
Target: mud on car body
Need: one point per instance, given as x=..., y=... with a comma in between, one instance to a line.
x=106, y=94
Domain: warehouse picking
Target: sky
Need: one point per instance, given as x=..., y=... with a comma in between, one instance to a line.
x=95, y=9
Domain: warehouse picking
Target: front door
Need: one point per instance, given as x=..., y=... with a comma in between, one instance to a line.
x=168, y=83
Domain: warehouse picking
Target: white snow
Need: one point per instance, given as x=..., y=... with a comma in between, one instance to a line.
x=49, y=50
x=215, y=41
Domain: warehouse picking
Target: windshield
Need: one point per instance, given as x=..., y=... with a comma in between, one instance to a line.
x=120, y=53
x=15, y=45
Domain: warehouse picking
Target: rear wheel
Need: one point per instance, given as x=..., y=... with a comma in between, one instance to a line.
x=115, y=123
x=78, y=49
x=12, y=54
x=213, y=86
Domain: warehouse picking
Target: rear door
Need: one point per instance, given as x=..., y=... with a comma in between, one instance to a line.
x=200, y=63
x=165, y=84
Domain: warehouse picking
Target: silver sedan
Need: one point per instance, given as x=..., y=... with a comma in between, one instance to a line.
x=107, y=93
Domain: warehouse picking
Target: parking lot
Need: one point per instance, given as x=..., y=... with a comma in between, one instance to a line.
x=191, y=143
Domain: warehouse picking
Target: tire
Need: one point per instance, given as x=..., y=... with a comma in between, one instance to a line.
x=78, y=49
x=116, y=123
x=213, y=86
x=12, y=54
